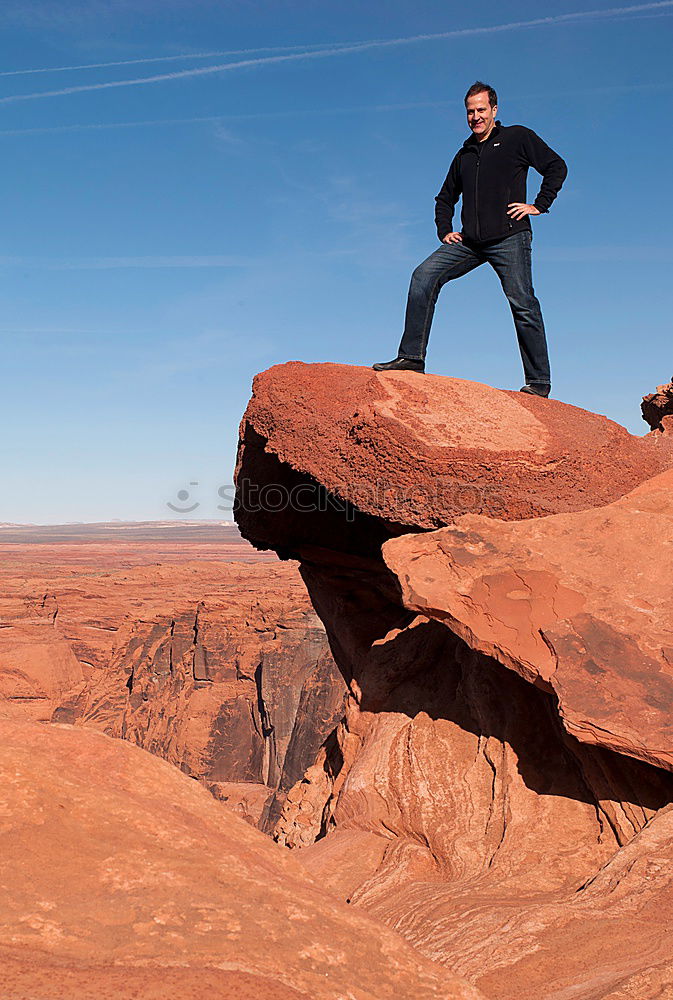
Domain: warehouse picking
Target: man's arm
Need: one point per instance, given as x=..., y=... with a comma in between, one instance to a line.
x=445, y=202
x=548, y=163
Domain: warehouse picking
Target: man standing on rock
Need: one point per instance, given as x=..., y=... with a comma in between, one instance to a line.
x=490, y=172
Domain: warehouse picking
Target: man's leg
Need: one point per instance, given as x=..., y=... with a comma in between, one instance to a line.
x=451, y=261
x=512, y=260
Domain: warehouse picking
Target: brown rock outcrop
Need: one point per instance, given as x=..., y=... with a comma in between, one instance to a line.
x=122, y=878
x=657, y=408
x=580, y=604
x=412, y=452
x=452, y=801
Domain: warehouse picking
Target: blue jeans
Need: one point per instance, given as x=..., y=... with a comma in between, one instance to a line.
x=511, y=260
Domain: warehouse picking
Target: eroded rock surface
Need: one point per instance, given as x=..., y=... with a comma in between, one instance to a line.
x=453, y=800
x=38, y=669
x=219, y=666
x=221, y=690
x=581, y=604
x=122, y=878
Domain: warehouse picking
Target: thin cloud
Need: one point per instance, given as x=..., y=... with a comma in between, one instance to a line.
x=610, y=13
x=115, y=263
x=292, y=113
x=607, y=254
x=322, y=112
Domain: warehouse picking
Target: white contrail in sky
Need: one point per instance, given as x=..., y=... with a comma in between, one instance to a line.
x=557, y=19
x=160, y=59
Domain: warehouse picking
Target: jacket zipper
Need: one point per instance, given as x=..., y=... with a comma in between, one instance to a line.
x=476, y=196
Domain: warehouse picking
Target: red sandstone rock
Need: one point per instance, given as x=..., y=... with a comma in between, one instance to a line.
x=38, y=668
x=415, y=451
x=609, y=939
x=459, y=810
x=121, y=877
x=452, y=801
x=581, y=604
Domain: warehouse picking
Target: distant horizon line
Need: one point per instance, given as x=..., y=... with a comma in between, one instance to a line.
x=119, y=523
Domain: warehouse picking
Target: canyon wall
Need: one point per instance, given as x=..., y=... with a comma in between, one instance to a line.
x=220, y=667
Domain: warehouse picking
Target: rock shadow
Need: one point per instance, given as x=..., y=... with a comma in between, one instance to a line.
x=408, y=664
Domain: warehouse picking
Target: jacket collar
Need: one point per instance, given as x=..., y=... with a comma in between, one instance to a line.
x=473, y=141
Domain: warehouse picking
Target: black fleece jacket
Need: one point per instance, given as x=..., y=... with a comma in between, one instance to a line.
x=490, y=175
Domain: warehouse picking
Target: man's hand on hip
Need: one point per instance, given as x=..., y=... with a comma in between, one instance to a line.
x=518, y=209
x=453, y=238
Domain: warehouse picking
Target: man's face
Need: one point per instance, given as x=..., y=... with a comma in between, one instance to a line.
x=480, y=114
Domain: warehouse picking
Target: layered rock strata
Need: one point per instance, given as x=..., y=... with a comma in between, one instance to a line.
x=486, y=790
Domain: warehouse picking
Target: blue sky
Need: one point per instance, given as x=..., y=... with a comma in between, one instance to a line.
x=164, y=239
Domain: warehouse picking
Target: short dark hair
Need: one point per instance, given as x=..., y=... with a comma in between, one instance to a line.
x=482, y=88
